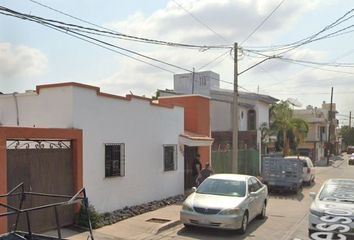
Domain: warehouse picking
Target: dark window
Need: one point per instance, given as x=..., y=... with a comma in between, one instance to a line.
x=114, y=160
x=255, y=186
x=170, y=157
x=251, y=120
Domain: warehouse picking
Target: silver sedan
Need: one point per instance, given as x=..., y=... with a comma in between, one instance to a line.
x=226, y=201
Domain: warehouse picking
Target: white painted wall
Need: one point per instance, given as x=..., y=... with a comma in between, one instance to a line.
x=142, y=127
x=221, y=115
x=203, y=82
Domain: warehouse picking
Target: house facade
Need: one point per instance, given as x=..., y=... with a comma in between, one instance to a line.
x=196, y=138
x=130, y=146
x=253, y=113
x=253, y=108
x=313, y=145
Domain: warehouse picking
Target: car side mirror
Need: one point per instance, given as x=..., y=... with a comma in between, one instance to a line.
x=194, y=189
x=252, y=194
x=312, y=195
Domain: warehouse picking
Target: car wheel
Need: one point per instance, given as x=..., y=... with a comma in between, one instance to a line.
x=244, y=225
x=262, y=215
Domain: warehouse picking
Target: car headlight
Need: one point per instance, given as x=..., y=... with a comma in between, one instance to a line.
x=187, y=207
x=317, y=213
x=231, y=211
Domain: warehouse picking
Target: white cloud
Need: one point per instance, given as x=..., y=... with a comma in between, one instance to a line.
x=21, y=61
x=233, y=20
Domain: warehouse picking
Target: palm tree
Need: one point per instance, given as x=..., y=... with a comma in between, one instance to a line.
x=282, y=121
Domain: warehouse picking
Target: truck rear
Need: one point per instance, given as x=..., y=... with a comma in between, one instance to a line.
x=281, y=173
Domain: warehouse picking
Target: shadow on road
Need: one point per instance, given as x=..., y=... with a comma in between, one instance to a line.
x=209, y=233
x=286, y=195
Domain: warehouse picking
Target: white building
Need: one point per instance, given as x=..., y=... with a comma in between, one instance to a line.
x=253, y=107
x=143, y=133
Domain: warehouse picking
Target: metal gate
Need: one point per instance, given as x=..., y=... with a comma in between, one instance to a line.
x=43, y=166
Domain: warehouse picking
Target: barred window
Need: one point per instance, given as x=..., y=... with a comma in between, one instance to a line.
x=170, y=157
x=114, y=160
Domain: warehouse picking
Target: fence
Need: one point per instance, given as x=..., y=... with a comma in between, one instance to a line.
x=248, y=161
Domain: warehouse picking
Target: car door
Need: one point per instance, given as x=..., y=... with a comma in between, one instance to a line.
x=312, y=168
x=253, y=199
x=257, y=188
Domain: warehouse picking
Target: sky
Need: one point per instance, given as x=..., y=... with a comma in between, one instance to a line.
x=32, y=54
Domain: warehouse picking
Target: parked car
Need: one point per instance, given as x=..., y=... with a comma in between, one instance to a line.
x=308, y=172
x=225, y=201
x=351, y=159
x=332, y=210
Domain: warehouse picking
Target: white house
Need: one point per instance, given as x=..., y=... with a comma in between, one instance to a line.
x=253, y=107
x=130, y=145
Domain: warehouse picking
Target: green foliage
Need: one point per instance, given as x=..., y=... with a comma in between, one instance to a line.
x=291, y=131
x=347, y=135
x=94, y=216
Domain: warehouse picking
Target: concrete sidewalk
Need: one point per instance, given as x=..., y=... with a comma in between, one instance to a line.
x=139, y=227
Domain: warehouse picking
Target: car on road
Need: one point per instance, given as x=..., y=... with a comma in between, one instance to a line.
x=351, y=159
x=332, y=210
x=225, y=201
x=308, y=174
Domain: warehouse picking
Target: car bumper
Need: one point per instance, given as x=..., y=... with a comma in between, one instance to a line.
x=314, y=220
x=211, y=221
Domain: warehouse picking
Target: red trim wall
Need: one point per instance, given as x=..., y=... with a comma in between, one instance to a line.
x=196, y=117
x=6, y=133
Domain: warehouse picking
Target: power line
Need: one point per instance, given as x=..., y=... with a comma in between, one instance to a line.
x=215, y=59
x=261, y=24
x=199, y=21
x=113, y=33
x=65, y=30
x=291, y=46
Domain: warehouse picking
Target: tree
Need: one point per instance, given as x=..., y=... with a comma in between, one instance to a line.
x=347, y=135
x=293, y=130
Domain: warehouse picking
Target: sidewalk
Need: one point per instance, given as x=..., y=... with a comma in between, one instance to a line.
x=138, y=227
x=333, y=161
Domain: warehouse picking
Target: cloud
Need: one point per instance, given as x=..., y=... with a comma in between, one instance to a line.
x=232, y=20
x=21, y=61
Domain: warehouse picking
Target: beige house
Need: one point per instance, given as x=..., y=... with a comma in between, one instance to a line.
x=315, y=142
x=320, y=122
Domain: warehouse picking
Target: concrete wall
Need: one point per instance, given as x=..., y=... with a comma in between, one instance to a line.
x=143, y=127
x=221, y=115
x=203, y=82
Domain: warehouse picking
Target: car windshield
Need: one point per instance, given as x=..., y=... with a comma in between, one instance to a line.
x=223, y=187
x=338, y=193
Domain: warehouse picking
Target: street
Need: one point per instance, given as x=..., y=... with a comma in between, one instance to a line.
x=287, y=213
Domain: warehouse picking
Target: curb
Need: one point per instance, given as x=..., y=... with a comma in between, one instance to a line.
x=167, y=226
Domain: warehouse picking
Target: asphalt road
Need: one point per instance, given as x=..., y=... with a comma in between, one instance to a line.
x=287, y=214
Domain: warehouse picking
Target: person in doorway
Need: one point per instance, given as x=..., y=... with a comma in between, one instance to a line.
x=196, y=169
x=205, y=173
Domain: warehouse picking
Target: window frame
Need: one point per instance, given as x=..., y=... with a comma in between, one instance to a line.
x=175, y=158
x=121, y=160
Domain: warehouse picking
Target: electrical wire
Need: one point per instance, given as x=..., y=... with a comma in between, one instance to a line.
x=199, y=21
x=122, y=36
x=291, y=46
x=215, y=59
x=264, y=20
x=66, y=30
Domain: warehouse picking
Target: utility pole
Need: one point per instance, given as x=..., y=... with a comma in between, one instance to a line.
x=329, y=128
x=235, y=117
x=350, y=119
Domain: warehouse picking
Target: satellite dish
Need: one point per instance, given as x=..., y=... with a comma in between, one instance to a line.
x=294, y=102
